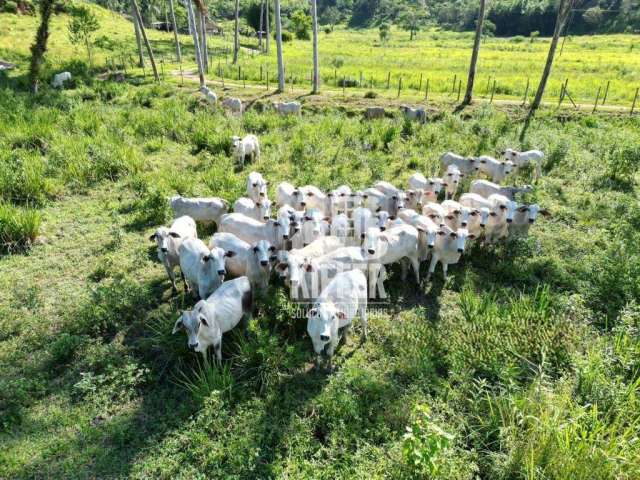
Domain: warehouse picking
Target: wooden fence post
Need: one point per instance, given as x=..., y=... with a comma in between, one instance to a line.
x=260, y=72
x=493, y=90
x=162, y=67
x=360, y=78
x=388, y=79
x=420, y=84
x=595, y=105
x=181, y=75
x=267, y=79
x=455, y=80
x=426, y=92
x=606, y=92
x=343, y=87
x=459, y=89
x=486, y=90
x=635, y=98
x=399, y=86
x=526, y=92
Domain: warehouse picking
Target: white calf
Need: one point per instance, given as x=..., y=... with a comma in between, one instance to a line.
x=495, y=169
x=287, y=194
x=254, y=262
x=288, y=108
x=340, y=227
x=452, y=177
x=429, y=188
x=467, y=165
x=457, y=214
x=314, y=226
x=486, y=188
x=202, y=267
x=427, y=230
x=256, y=187
x=210, y=95
x=435, y=212
x=276, y=232
x=260, y=210
x=200, y=209
x=448, y=249
x=233, y=104
x=330, y=319
x=59, y=79
x=247, y=146
x=216, y=315
x=524, y=217
x=520, y=159
x=414, y=114
x=169, y=241
x=392, y=245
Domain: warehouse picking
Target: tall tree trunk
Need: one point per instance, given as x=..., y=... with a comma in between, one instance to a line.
x=39, y=46
x=474, y=56
x=138, y=39
x=260, y=29
x=204, y=49
x=136, y=12
x=267, y=26
x=196, y=43
x=564, y=9
x=316, y=66
x=279, y=47
x=236, y=34
x=175, y=32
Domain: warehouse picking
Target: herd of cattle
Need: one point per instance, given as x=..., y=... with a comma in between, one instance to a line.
x=331, y=248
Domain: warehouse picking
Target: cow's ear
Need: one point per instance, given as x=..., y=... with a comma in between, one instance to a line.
x=313, y=312
x=308, y=268
x=453, y=235
x=545, y=212
x=309, y=194
x=327, y=219
x=153, y=237
x=206, y=258
x=272, y=248
x=229, y=253
x=471, y=236
x=276, y=224
x=177, y=326
x=378, y=209
x=203, y=320
x=174, y=234
x=341, y=315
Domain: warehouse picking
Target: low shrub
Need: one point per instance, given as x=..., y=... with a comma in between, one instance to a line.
x=19, y=227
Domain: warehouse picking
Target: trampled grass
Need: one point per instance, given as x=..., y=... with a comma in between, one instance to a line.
x=523, y=365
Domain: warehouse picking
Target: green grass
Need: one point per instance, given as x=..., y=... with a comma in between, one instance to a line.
x=524, y=365
x=589, y=62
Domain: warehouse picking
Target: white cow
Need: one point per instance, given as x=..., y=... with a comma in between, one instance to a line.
x=314, y=226
x=448, y=249
x=169, y=241
x=392, y=245
x=256, y=187
x=498, y=211
x=524, y=217
x=260, y=210
x=252, y=231
x=427, y=230
x=495, y=169
x=204, y=210
x=247, y=146
x=435, y=212
x=210, y=95
x=59, y=79
x=340, y=227
x=414, y=114
x=375, y=200
x=288, y=108
x=233, y=104
x=486, y=188
x=452, y=177
x=218, y=314
x=330, y=319
x=429, y=188
x=287, y=194
x=202, y=267
x=457, y=214
x=252, y=261
x=467, y=165
x=315, y=249
x=521, y=159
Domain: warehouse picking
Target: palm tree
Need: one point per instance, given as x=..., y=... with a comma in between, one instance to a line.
x=39, y=46
x=279, y=47
x=138, y=17
x=196, y=43
x=138, y=39
x=236, y=34
x=316, y=67
x=175, y=32
x=474, y=56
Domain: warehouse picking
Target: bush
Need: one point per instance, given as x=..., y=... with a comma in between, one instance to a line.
x=371, y=94
x=10, y=7
x=337, y=62
x=327, y=30
x=347, y=82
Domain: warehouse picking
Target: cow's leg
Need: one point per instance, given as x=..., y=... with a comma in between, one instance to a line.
x=363, y=319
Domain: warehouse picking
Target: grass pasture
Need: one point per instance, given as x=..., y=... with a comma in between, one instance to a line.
x=588, y=62
x=523, y=365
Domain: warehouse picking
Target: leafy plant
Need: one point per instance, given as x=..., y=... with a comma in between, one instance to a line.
x=82, y=27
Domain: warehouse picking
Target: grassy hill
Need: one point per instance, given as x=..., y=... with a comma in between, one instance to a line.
x=525, y=364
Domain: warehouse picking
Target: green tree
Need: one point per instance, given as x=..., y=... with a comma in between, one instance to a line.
x=39, y=46
x=301, y=23
x=412, y=19
x=330, y=16
x=385, y=32
x=82, y=27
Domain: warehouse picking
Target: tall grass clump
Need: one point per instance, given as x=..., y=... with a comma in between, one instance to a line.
x=19, y=227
